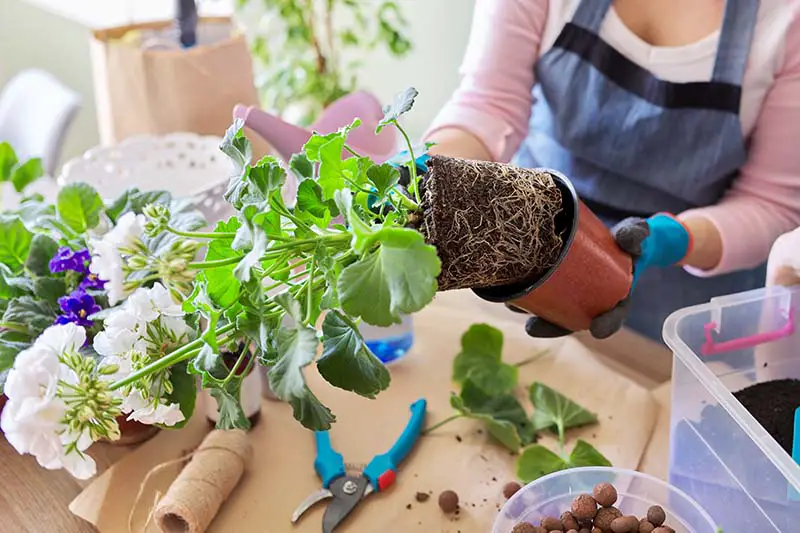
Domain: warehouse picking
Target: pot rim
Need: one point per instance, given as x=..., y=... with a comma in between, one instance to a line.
x=513, y=291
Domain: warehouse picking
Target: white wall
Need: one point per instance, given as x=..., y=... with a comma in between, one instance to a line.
x=32, y=35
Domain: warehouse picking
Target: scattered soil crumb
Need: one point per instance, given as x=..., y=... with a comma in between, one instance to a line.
x=484, y=458
x=494, y=478
x=765, y=365
x=480, y=432
x=458, y=438
x=422, y=497
x=408, y=506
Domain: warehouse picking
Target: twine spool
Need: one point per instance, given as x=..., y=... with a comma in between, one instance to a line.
x=205, y=483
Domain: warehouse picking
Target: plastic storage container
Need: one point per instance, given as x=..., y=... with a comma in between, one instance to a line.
x=552, y=495
x=389, y=344
x=719, y=454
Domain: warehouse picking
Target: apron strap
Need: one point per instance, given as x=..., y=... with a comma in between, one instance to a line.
x=590, y=14
x=735, y=39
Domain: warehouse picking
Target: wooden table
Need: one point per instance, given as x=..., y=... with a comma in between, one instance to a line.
x=36, y=500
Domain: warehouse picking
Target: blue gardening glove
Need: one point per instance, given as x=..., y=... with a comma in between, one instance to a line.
x=402, y=158
x=660, y=241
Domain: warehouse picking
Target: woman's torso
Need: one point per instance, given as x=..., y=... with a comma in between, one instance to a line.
x=692, y=62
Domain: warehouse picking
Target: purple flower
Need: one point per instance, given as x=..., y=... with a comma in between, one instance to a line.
x=91, y=281
x=76, y=308
x=66, y=259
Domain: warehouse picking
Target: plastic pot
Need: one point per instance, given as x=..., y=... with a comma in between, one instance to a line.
x=591, y=276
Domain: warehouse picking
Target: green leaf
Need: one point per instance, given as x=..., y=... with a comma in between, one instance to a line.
x=402, y=104
x=398, y=278
x=79, y=206
x=184, y=392
x=15, y=242
x=26, y=173
x=383, y=178
x=49, y=289
x=237, y=147
x=9, y=349
x=363, y=236
x=230, y=414
x=504, y=407
x=8, y=160
x=312, y=147
x=310, y=205
x=134, y=200
x=502, y=430
x=537, y=461
x=297, y=347
x=302, y=166
x=480, y=361
x=265, y=177
x=42, y=250
x=556, y=412
x=355, y=169
x=346, y=362
x=37, y=315
x=223, y=288
x=584, y=454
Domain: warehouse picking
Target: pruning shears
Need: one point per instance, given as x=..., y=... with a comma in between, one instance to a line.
x=347, y=491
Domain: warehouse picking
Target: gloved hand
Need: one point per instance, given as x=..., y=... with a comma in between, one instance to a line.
x=659, y=241
x=401, y=162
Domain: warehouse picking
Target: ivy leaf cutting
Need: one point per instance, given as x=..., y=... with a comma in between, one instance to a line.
x=556, y=412
x=537, y=461
x=480, y=361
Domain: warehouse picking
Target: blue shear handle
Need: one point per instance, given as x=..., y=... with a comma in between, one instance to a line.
x=390, y=460
x=329, y=463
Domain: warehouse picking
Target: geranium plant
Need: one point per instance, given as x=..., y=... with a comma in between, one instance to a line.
x=120, y=309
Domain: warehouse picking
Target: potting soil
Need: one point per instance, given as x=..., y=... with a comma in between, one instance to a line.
x=492, y=224
x=773, y=404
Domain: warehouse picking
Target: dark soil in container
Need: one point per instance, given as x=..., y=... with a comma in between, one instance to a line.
x=491, y=224
x=773, y=404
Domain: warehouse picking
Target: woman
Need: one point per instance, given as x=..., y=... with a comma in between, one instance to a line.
x=690, y=107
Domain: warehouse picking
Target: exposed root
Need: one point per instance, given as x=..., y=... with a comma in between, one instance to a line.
x=492, y=224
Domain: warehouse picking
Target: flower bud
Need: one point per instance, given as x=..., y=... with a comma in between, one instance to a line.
x=107, y=370
x=138, y=262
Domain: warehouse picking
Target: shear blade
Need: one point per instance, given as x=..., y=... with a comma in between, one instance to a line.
x=309, y=502
x=348, y=491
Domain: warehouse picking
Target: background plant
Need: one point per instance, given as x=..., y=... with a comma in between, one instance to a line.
x=307, y=52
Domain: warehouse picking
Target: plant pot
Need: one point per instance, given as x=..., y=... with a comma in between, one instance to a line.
x=249, y=394
x=133, y=432
x=591, y=275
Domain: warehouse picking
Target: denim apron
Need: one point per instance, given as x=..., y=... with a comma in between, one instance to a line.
x=634, y=145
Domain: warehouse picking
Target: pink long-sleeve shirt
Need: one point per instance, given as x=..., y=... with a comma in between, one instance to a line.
x=494, y=100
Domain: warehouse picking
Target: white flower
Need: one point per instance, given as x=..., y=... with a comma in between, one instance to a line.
x=163, y=302
x=107, y=265
x=106, y=259
x=127, y=231
x=148, y=412
x=33, y=418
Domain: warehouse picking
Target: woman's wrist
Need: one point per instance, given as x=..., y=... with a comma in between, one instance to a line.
x=456, y=142
x=706, y=250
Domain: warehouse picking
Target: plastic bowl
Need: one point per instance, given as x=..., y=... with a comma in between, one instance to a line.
x=552, y=495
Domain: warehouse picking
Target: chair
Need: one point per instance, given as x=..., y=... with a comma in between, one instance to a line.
x=36, y=110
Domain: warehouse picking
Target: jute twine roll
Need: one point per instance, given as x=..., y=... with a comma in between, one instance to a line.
x=205, y=483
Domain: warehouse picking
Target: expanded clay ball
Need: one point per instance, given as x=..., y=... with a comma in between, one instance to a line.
x=663, y=529
x=448, y=501
x=605, y=516
x=569, y=522
x=645, y=526
x=605, y=494
x=625, y=524
x=656, y=515
x=511, y=488
x=584, y=507
x=525, y=527
x=551, y=523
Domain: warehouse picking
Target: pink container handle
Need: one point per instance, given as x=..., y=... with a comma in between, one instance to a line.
x=711, y=347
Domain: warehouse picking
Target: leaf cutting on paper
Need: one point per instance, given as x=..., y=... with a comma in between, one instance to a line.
x=537, y=461
x=480, y=360
x=556, y=412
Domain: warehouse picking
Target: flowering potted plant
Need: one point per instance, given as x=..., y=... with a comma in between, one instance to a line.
x=114, y=312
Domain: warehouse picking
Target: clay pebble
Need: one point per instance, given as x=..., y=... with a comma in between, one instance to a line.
x=511, y=488
x=448, y=501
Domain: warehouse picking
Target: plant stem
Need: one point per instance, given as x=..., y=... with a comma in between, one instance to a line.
x=309, y=299
x=532, y=358
x=235, y=366
x=278, y=206
x=202, y=234
x=407, y=202
x=176, y=356
x=442, y=423
x=216, y=263
x=412, y=165
x=351, y=151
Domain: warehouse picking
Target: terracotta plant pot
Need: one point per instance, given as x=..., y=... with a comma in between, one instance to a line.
x=132, y=432
x=591, y=276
